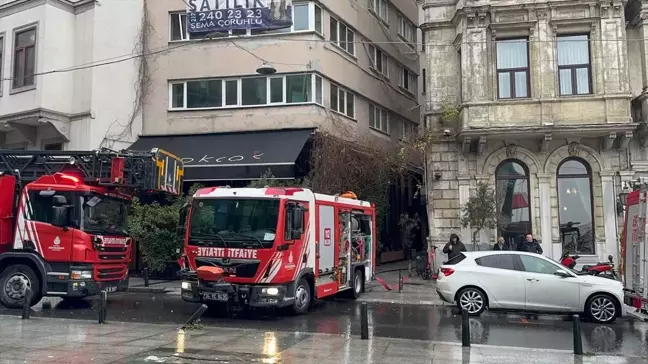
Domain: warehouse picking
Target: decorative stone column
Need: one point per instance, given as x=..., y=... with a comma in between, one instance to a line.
x=544, y=187
x=464, y=195
x=609, y=216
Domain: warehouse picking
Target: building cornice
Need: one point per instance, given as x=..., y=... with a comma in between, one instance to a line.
x=18, y=6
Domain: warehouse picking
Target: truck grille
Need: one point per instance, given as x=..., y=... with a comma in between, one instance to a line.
x=116, y=254
x=110, y=273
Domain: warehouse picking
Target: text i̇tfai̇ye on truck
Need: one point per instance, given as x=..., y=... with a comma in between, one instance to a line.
x=63, y=217
x=275, y=247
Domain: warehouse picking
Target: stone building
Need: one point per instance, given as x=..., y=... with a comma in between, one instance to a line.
x=549, y=100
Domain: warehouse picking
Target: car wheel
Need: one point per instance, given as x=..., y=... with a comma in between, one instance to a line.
x=472, y=300
x=302, y=298
x=602, y=309
x=14, y=281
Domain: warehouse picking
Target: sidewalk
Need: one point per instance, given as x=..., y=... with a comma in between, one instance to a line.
x=416, y=291
x=64, y=341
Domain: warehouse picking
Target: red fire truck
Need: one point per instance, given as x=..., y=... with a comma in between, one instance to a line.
x=275, y=247
x=634, y=255
x=63, y=218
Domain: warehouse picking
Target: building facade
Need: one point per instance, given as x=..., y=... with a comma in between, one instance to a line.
x=545, y=93
x=69, y=75
x=342, y=67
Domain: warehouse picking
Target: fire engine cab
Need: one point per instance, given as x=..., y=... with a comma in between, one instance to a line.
x=275, y=247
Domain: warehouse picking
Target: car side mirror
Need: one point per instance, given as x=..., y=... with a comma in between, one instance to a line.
x=562, y=273
x=60, y=216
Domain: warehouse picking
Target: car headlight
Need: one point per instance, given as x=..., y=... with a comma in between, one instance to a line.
x=271, y=291
x=81, y=274
x=186, y=285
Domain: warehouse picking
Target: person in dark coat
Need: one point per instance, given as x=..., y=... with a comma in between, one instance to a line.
x=454, y=247
x=500, y=244
x=531, y=245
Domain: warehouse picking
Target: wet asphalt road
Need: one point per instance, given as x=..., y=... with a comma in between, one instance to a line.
x=625, y=337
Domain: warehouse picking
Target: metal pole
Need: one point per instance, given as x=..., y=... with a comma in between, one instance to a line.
x=103, y=305
x=27, y=304
x=465, y=329
x=400, y=281
x=364, y=322
x=201, y=310
x=578, y=339
x=146, y=276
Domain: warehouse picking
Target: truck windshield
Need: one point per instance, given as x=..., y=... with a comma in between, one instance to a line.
x=104, y=215
x=240, y=223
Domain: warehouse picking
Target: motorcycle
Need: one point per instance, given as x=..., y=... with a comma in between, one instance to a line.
x=601, y=269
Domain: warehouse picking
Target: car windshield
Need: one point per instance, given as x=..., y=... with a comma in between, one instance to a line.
x=104, y=215
x=239, y=223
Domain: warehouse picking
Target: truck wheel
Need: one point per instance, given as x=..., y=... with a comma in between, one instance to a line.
x=358, y=284
x=13, y=282
x=302, y=298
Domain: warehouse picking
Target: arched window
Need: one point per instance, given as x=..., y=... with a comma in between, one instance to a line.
x=513, y=201
x=575, y=206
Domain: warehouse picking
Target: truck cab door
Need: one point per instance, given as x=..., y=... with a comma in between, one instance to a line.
x=296, y=236
x=37, y=226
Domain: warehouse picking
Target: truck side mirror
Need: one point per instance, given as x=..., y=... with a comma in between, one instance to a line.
x=182, y=221
x=297, y=222
x=60, y=216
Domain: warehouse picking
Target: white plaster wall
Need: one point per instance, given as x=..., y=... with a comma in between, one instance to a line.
x=116, y=28
x=56, y=51
x=83, y=54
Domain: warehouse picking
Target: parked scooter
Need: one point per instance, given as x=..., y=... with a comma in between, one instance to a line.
x=601, y=269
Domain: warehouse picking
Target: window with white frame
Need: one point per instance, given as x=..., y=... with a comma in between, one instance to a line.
x=245, y=91
x=379, y=60
x=342, y=36
x=406, y=30
x=408, y=131
x=342, y=101
x=307, y=16
x=407, y=80
x=380, y=8
x=378, y=118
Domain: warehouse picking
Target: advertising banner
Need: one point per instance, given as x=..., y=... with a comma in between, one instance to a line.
x=221, y=16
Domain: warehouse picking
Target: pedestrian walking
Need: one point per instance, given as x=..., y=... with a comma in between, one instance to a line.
x=531, y=245
x=454, y=247
x=500, y=244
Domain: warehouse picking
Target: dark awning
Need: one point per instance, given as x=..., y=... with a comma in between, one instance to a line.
x=233, y=156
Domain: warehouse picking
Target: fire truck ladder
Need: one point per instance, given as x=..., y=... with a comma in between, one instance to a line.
x=128, y=169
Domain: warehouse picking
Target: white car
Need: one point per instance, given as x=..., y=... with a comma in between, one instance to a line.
x=519, y=281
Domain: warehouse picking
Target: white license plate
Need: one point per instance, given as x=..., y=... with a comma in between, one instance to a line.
x=111, y=289
x=218, y=296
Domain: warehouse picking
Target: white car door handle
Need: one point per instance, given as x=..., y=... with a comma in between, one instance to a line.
x=532, y=280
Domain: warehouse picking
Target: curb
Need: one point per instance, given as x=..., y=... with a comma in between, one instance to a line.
x=156, y=290
x=401, y=302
